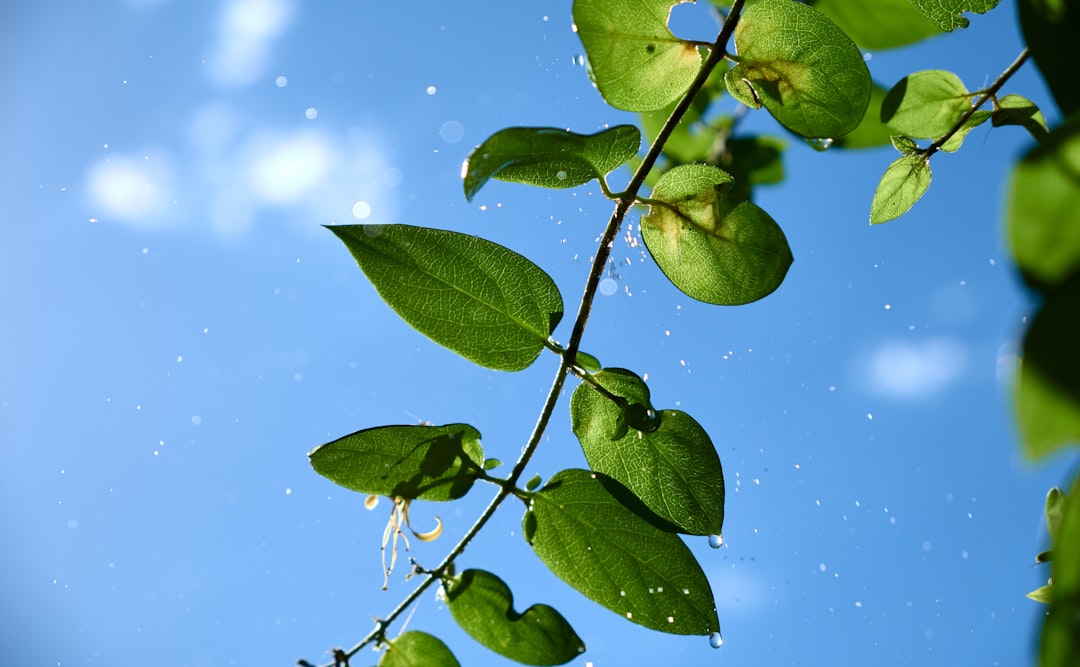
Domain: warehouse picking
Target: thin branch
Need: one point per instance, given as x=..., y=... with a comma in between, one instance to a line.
x=986, y=95
x=626, y=200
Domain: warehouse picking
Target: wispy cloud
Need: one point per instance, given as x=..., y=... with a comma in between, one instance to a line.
x=912, y=370
x=247, y=30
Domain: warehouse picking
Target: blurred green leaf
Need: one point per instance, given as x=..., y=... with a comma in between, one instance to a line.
x=548, y=157
x=637, y=64
x=926, y=105
x=1017, y=110
x=751, y=160
x=590, y=540
x=1055, y=510
x=878, y=24
x=673, y=469
x=871, y=132
x=801, y=67
x=949, y=14
x=1061, y=626
x=712, y=246
x=977, y=118
x=1048, y=386
x=483, y=606
x=1050, y=31
x=1043, y=212
x=477, y=298
x=1041, y=594
x=421, y=462
x=903, y=184
x=417, y=649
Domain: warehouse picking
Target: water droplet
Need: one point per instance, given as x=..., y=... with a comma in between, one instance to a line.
x=608, y=286
x=715, y=640
x=561, y=175
x=820, y=144
x=579, y=60
x=361, y=210
x=281, y=81
x=312, y=113
x=716, y=541
x=431, y=90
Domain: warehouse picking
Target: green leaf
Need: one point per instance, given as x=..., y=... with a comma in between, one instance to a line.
x=871, y=132
x=414, y=462
x=587, y=361
x=926, y=105
x=692, y=140
x=590, y=540
x=548, y=157
x=1048, y=386
x=801, y=67
x=533, y=482
x=1041, y=594
x=635, y=61
x=1017, y=110
x=1055, y=510
x=953, y=143
x=1050, y=30
x=752, y=160
x=903, y=184
x=1043, y=222
x=483, y=606
x=949, y=14
x=479, y=299
x=712, y=246
x=878, y=24
x=417, y=649
x=673, y=468
x=904, y=145
x=1061, y=626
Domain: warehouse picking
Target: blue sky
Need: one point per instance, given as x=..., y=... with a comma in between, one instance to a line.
x=181, y=331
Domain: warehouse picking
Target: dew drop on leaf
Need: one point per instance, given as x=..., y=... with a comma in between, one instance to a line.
x=820, y=144
x=716, y=541
x=561, y=175
x=716, y=640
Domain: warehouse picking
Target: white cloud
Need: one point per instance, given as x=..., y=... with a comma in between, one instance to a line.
x=246, y=32
x=286, y=170
x=914, y=370
x=134, y=188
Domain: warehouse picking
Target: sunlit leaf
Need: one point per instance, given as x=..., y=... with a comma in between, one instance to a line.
x=1017, y=110
x=588, y=361
x=904, y=145
x=1043, y=219
x=949, y=14
x=421, y=462
x=637, y=64
x=801, y=67
x=712, y=246
x=483, y=606
x=878, y=24
x=903, y=184
x=1041, y=594
x=871, y=132
x=926, y=105
x=610, y=554
x=1050, y=32
x=1061, y=626
x=417, y=649
x=672, y=468
x=953, y=143
x=1048, y=385
x=477, y=298
x=548, y=157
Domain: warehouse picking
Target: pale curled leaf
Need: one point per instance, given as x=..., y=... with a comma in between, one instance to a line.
x=1017, y=110
x=483, y=606
x=548, y=157
x=803, y=68
x=637, y=64
x=477, y=298
x=904, y=183
x=613, y=556
x=712, y=246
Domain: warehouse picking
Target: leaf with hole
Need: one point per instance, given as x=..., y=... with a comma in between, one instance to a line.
x=477, y=298
x=903, y=183
x=548, y=157
x=949, y=14
x=926, y=105
x=483, y=606
x=610, y=554
x=672, y=467
x=417, y=649
x=412, y=462
x=711, y=245
x=635, y=61
x=803, y=68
